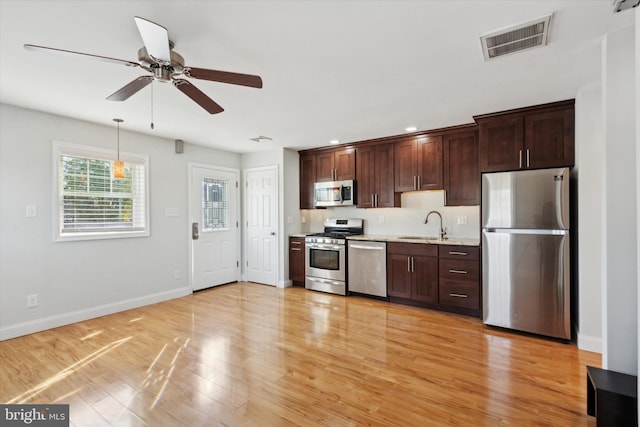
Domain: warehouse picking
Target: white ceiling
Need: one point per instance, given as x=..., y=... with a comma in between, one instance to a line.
x=346, y=70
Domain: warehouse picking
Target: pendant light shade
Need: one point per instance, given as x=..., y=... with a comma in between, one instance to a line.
x=118, y=165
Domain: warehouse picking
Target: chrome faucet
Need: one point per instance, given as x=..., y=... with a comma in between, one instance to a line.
x=443, y=231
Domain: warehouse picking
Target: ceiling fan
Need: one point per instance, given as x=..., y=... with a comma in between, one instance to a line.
x=158, y=57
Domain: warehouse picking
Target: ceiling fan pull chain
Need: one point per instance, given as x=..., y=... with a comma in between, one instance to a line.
x=151, y=105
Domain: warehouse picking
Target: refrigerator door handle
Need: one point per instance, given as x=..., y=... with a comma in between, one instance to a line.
x=524, y=231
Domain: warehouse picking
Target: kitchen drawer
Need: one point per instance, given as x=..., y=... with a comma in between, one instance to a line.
x=464, y=295
x=459, y=252
x=416, y=249
x=458, y=270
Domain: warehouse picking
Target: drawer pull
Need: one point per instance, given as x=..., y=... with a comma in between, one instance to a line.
x=293, y=242
x=458, y=253
x=458, y=271
x=458, y=295
x=296, y=249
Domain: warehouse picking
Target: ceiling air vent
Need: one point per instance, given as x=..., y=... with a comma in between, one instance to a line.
x=620, y=5
x=516, y=38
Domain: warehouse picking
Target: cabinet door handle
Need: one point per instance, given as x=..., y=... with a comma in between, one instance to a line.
x=458, y=295
x=419, y=182
x=528, y=158
x=295, y=249
x=413, y=264
x=409, y=264
x=376, y=200
x=415, y=182
x=458, y=271
x=372, y=202
x=520, y=160
x=458, y=253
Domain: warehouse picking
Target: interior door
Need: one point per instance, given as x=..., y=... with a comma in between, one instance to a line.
x=261, y=213
x=213, y=214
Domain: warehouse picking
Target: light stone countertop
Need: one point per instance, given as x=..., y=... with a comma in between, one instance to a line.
x=459, y=241
x=299, y=234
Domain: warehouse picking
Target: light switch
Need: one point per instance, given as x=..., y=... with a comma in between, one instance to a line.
x=31, y=211
x=462, y=220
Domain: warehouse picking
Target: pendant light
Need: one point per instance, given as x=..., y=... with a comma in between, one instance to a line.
x=118, y=165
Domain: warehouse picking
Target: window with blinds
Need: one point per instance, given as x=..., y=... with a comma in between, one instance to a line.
x=94, y=205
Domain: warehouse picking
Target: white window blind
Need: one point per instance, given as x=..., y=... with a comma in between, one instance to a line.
x=94, y=205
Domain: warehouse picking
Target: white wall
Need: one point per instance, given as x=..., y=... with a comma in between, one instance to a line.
x=406, y=220
x=589, y=170
x=85, y=279
x=620, y=296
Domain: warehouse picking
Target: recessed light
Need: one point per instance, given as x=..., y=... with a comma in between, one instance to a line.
x=411, y=129
x=334, y=142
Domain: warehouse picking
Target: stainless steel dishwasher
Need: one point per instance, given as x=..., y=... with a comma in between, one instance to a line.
x=367, y=267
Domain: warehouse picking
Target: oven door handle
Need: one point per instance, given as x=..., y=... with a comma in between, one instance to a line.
x=325, y=247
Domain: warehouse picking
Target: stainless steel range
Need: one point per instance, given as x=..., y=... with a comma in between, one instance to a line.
x=326, y=258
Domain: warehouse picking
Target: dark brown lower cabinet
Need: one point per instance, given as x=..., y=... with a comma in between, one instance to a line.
x=412, y=272
x=443, y=277
x=297, y=260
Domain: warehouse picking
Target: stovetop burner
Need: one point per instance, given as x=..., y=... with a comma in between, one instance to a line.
x=337, y=230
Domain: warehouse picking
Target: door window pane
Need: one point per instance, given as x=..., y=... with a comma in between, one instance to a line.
x=215, y=205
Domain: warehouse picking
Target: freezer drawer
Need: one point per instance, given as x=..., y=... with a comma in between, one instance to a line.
x=526, y=281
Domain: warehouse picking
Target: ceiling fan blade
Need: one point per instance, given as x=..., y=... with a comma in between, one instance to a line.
x=224, y=77
x=155, y=38
x=70, y=52
x=126, y=91
x=198, y=96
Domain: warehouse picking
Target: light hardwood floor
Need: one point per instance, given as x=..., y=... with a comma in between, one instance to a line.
x=248, y=354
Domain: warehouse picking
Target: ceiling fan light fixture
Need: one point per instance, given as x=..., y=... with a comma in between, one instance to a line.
x=118, y=165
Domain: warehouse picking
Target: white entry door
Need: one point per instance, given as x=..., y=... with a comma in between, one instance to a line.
x=261, y=212
x=213, y=213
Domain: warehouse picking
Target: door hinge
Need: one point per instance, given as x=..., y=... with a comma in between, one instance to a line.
x=238, y=264
x=236, y=184
x=237, y=224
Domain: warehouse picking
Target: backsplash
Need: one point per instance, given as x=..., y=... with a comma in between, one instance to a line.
x=407, y=220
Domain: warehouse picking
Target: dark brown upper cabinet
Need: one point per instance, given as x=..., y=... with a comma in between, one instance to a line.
x=461, y=174
x=418, y=163
x=336, y=165
x=307, y=180
x=527, y=138
x=374, y=182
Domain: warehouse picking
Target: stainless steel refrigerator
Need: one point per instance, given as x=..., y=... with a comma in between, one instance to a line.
x=525, y=251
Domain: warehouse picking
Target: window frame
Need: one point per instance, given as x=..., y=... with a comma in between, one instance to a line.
x=78, y=150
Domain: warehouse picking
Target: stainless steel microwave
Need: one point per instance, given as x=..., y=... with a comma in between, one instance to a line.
x=335, y=193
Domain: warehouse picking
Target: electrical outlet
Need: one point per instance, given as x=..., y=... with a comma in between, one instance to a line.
x=32, y=301
x=289, y=219
x=381, y=219
x=462, y=220
x=176, y=274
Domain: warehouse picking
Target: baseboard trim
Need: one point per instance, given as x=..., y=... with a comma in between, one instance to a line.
x=285, y=284
x=589, y=343
x=42, y=324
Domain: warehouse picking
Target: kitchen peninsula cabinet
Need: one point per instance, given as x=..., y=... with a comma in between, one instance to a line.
x=297, y=260
x=374, y=177
x=336, y=165
x=307, y=180
x=418, y=163
x=527, y=138
x=412, y=272
x=461, y=174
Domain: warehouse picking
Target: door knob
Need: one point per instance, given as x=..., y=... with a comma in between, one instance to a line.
x=194, y=231
x=273, y=233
